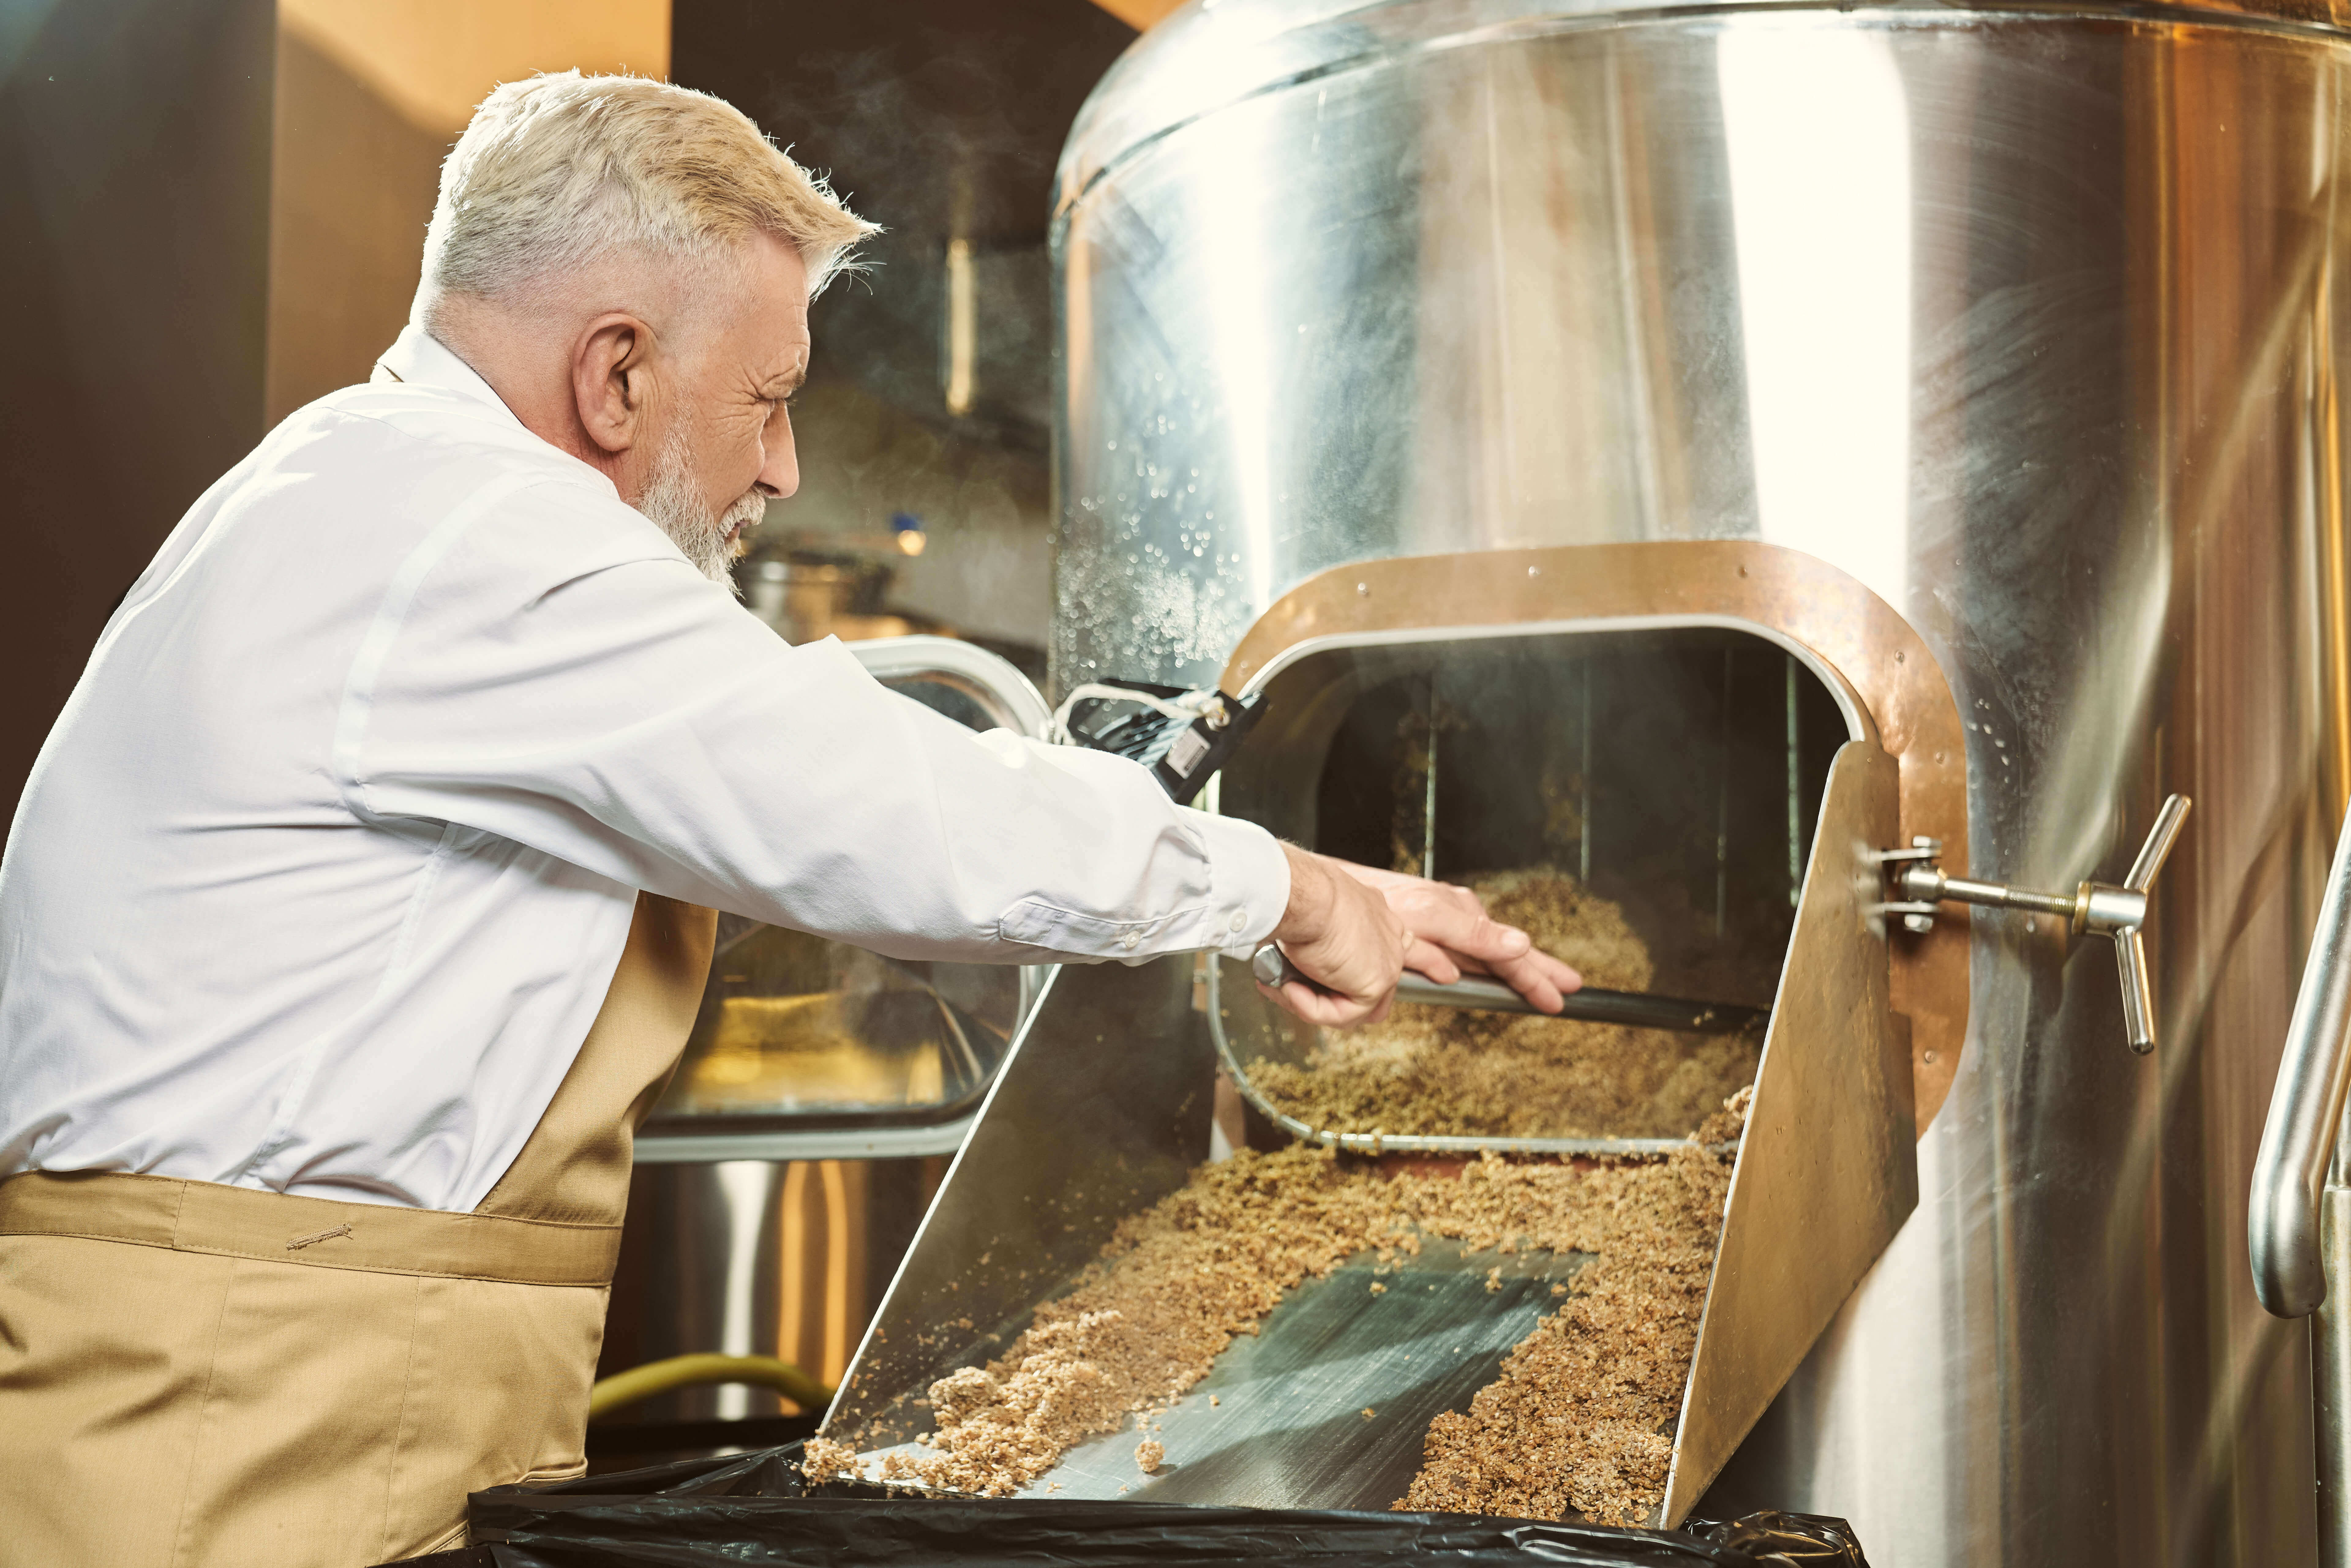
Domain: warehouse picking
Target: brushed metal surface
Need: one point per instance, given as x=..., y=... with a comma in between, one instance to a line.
x=2032, y=322
x=2330, y=1350
x=1827, y=1171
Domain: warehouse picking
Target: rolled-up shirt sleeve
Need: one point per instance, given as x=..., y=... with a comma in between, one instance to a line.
x=552, y=671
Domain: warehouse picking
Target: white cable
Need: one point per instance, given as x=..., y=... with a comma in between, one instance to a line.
x=1191, y=704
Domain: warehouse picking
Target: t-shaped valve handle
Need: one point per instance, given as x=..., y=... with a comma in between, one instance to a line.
x=2098, y=908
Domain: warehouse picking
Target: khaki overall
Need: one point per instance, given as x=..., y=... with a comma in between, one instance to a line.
x=195, y=1375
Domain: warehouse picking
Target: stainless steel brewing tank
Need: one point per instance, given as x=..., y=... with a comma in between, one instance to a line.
x=2030, y=321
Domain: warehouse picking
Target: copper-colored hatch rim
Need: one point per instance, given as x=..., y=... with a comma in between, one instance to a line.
x=1879, y=656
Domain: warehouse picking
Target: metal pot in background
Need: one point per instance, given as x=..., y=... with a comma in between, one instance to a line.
x=808, y=600
x=753, y=1257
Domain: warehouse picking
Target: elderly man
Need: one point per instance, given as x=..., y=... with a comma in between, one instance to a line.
x=363, y=891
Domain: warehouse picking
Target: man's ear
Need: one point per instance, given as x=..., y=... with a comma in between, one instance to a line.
x=611, y=381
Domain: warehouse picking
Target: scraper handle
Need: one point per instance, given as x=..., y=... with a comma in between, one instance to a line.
x=1592, y=1004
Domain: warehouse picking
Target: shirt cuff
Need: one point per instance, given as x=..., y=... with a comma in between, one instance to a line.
x=1250, y=874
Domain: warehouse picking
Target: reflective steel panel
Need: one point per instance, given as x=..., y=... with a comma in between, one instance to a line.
x=2030, y=322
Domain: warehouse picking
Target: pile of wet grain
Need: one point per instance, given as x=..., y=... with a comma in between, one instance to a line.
x=1448, y=1070
x=1177, y=1281
x=1576, y=1423
x=1580, y=1422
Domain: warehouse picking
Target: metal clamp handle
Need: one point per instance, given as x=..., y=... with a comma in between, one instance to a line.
x=2306, y=1112
x=2130, y=946
x=2093, y=908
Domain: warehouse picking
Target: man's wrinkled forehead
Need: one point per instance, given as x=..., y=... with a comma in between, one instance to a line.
x=767, y=326
x=791, y=344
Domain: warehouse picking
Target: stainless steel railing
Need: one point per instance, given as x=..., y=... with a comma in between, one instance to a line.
x=2305, y=1112
x=2300, y=1219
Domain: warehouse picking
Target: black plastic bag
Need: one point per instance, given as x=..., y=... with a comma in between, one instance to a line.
x=1785, y=1540
x=755, y=1509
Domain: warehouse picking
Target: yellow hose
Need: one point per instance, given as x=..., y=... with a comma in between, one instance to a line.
x=684, y=1371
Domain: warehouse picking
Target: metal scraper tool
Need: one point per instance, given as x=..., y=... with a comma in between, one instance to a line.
x=1592, y=1004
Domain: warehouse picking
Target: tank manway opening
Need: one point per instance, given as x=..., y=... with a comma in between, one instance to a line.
x=1642, y=802
x=1574, y=1297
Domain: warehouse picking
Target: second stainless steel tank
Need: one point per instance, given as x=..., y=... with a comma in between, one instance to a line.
x=2029, y=321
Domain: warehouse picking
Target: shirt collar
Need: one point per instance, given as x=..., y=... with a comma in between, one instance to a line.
x=419, y=359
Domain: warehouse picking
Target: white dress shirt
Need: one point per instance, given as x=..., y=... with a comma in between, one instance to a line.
x=322, y=873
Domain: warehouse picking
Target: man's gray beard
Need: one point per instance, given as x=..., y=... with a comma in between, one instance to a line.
x=676, y=505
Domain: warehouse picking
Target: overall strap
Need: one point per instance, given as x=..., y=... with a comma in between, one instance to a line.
x=574, y=1169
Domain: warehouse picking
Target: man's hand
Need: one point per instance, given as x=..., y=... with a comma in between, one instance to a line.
x=1344, y=937
x=1452, y=935
x=1354, y=931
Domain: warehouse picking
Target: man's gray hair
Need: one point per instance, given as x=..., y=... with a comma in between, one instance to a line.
x=558, y=170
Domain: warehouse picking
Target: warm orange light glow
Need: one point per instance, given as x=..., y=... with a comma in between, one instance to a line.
x=370, y=94
x=1140, y=15
x=911, y=542
x=432, y=60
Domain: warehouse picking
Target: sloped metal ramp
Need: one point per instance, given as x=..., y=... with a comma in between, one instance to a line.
x=1104, y=1109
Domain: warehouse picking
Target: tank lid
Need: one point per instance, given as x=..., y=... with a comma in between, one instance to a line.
x=1213, y=53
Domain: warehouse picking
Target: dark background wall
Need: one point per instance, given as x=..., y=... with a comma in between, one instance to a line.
x=937, y=119
x=135, y=191
x=942, y=121
x=134, y=237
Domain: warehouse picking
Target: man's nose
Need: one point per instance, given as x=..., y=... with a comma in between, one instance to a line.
x=780, y=475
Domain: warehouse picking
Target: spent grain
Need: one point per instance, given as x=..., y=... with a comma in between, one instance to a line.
x=1577, y=1423
x=1448, y=1070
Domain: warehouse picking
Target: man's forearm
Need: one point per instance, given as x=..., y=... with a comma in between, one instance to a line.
x=1312, y=895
